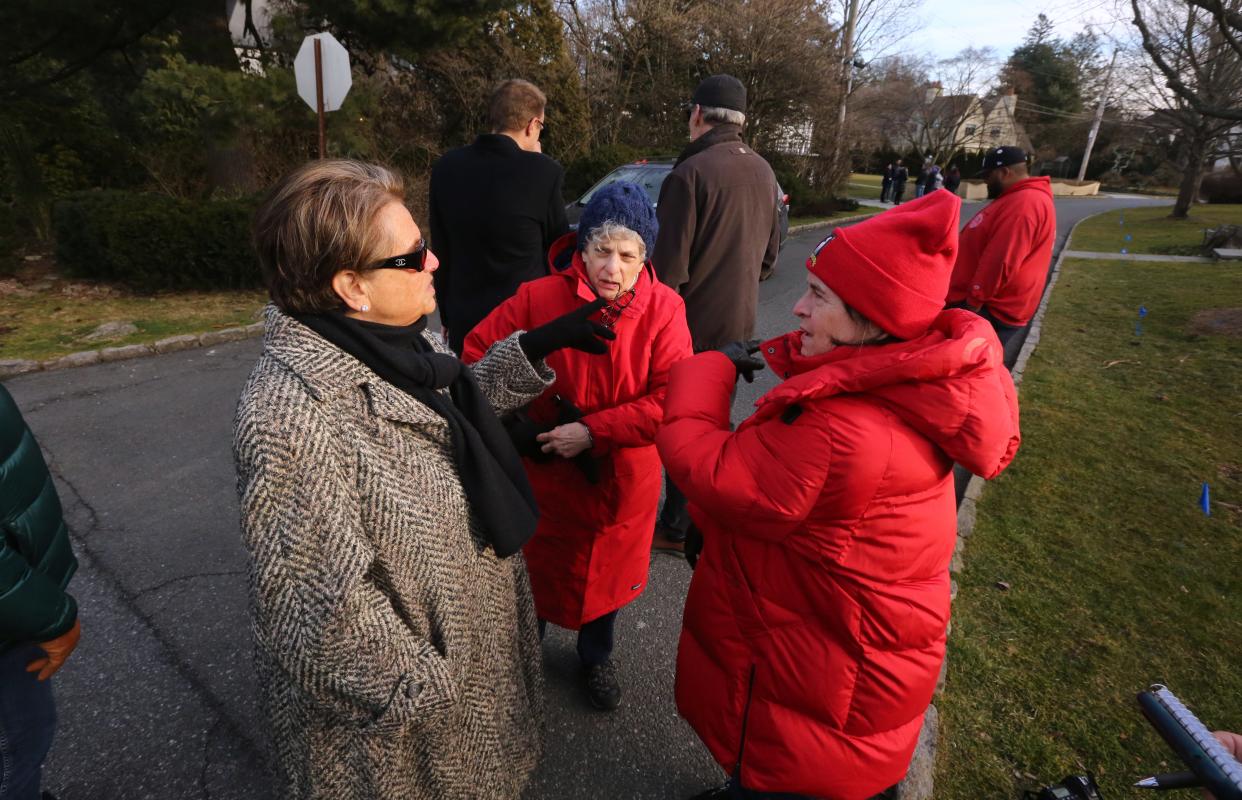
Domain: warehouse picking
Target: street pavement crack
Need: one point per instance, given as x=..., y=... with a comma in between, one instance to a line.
x=180, y=578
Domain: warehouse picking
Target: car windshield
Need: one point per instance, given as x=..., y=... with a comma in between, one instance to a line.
x=648, y=176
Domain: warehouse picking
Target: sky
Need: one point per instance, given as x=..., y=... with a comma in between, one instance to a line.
x=951, y=25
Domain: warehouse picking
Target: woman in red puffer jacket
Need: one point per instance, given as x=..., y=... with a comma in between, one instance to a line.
x=816, y=620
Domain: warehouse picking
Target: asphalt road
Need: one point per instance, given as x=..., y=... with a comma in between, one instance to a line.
x=159, y=699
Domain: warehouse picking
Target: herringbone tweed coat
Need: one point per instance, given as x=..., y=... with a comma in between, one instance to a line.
x=397, y=656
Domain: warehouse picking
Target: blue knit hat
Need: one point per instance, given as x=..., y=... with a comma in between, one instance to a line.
x=624, y=203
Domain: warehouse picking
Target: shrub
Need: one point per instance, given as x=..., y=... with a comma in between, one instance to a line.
x=1221, y=186
x=8, y=237
x=151, y=242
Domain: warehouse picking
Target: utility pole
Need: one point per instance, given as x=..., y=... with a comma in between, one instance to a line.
x=847, y=62
x=1099, y=117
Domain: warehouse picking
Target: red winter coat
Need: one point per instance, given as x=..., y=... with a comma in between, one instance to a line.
x=1005, y=251
x=591, y=551
x=815, y=624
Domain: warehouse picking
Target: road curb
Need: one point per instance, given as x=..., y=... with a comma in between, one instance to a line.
x=918, y=781
x=832, y=223
x=14, y=367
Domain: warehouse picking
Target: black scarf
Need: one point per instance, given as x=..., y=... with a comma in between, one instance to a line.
x=719, y=133
x=491, y=471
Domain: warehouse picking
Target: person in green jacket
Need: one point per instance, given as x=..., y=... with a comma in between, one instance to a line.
x=38, y=620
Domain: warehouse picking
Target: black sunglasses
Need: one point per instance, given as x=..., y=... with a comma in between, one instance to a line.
x=416, y=259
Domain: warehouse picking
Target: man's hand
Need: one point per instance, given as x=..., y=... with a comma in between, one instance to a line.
x=57, y=651
x=566, y=441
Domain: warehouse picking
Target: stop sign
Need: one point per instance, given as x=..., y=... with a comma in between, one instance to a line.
x=336, y=76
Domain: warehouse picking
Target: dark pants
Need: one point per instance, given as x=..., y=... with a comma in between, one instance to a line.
x=1010, y=341
x=595, y=638
x=886, y=188
x=27, y=722
x=899, y=189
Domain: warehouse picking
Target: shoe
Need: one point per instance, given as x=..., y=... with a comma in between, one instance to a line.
x=717, y=793
x=603, y=687
x=668, y=540
x=765, y=273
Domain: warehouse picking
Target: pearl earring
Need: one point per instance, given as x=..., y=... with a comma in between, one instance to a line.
x=365, y=307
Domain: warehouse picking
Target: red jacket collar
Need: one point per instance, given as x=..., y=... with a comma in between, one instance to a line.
x=918, y=380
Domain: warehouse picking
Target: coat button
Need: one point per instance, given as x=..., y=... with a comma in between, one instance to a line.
x=771, y=351
x=413, y=689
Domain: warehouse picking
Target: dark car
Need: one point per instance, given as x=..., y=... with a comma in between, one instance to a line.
x=650, y=175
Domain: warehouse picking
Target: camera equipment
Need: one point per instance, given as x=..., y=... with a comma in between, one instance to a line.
x=1074, y=787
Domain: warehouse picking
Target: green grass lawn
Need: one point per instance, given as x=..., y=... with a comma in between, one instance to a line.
x=51, y=321
x=1152, y=230
x=860, y=183
x=862, y=209
x=1117, y=579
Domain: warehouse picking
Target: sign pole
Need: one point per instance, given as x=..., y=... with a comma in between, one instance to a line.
x=319, y=99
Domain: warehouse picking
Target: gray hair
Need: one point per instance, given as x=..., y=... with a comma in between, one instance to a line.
x=722, y=116
x=608, y=230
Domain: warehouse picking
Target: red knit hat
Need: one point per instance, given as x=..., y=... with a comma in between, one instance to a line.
x=894, y=268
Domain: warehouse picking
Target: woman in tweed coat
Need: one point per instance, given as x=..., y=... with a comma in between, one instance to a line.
x=396, y=643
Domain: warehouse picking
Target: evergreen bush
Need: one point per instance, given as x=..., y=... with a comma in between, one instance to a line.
x=152, y=242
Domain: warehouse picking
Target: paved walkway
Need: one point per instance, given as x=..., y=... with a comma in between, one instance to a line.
x=1137, y=257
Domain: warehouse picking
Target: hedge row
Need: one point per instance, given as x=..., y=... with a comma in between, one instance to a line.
x=151, y=242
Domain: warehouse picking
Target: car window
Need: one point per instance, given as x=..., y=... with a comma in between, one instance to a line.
x=649, y=176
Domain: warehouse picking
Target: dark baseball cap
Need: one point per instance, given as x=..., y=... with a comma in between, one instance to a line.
x=720, y=91
x=1001, y=157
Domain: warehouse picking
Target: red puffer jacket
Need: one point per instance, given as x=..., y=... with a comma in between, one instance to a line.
x=815, y=624
x=592, y=549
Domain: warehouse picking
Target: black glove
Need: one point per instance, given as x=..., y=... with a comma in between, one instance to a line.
x=568, y=330
x=742, y=354
x=694, y=544
x=522, y=431
x=567, y=412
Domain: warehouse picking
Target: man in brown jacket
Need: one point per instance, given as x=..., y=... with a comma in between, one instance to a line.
x=718, y=230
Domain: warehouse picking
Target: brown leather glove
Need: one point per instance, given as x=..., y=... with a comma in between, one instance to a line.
x=57, y=650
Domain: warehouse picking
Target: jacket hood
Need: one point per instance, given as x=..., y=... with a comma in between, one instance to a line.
x=1039, y=183
x=949, y=384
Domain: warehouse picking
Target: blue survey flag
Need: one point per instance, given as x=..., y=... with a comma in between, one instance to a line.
x=1142, y=311
x=1205, y=500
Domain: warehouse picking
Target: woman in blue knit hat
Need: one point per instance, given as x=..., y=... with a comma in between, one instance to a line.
x=587, y=442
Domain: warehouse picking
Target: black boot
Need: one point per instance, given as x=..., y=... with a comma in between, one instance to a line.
x=602, y=686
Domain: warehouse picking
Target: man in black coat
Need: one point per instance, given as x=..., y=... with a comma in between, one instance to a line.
x=886, y=184
x=900, y=176
x=495, y=207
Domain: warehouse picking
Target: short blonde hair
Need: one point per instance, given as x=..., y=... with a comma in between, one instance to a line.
x=315, y=222
x=514, y=104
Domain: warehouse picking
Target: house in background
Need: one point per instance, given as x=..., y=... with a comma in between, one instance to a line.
x=945, y=124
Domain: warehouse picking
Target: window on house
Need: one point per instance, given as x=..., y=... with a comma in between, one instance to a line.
x=970, y=129
x=995, y=132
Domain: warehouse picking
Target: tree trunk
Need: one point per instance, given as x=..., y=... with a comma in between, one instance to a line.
x=1192, y=176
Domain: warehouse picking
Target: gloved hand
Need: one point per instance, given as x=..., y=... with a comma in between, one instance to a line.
x=742, y=354
x=57, y=650
x=694, y=544
x=522, y=431
x=568, y=330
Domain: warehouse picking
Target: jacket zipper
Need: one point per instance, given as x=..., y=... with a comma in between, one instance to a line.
x=741, y=747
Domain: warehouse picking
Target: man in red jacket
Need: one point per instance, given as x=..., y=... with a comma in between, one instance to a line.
x=1006, y=249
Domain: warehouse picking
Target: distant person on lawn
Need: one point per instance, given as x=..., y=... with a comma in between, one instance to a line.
x=1006, y=248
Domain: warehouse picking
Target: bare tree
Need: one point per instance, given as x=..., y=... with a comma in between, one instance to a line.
x=938, y=111
x=1226, y=18
x=1194, y=65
